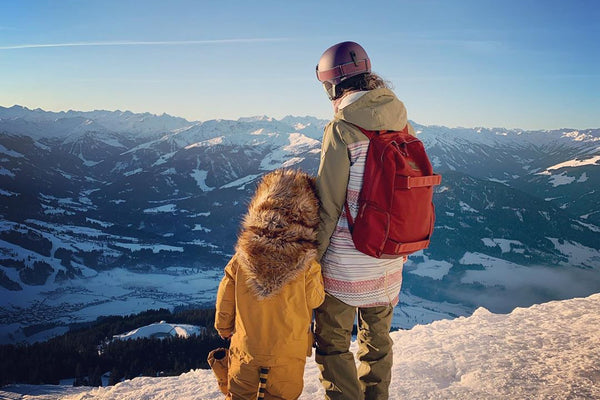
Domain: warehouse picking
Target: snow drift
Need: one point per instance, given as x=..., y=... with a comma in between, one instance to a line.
x=549, y=351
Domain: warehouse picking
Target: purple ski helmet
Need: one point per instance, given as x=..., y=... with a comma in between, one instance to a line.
x=340, y=62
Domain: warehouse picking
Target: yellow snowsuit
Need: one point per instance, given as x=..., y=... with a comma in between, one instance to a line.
x=270, y=287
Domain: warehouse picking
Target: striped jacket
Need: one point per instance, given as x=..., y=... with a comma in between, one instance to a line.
x=349, y=275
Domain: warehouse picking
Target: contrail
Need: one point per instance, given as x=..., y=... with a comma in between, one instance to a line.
x=142, y=43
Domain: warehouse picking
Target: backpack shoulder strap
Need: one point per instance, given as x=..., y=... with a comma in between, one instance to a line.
x=372, y=134
x=425, y=181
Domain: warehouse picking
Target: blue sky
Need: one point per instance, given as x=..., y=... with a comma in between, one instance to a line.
x=513, y=63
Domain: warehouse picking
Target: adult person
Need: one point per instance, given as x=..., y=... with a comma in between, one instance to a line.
x=355, y=283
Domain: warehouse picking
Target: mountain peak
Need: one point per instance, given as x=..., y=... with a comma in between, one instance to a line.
x=255, y=118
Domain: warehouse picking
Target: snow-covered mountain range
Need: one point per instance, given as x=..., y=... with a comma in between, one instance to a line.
x=115, y=212
x=547, y=351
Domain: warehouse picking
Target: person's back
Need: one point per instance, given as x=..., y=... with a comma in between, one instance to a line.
x=359, y=287
x=271, y=286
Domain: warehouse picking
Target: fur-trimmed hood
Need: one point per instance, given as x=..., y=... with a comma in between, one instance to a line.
x=278, y=239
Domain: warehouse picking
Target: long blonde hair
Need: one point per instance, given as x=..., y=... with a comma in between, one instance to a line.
x=367, y=81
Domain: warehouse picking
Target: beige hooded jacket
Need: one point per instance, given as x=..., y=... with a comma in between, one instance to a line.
x=378, y=109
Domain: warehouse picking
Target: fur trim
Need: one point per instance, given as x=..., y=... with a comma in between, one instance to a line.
x=279, y=233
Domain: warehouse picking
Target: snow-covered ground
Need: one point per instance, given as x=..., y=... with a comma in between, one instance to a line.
x=161, y=330
x=547, y=351
x=113, y=292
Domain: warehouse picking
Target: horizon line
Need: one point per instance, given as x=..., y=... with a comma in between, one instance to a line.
x=195, y=121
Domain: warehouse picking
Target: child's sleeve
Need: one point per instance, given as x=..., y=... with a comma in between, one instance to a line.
x=315, y=292
x=225, y=314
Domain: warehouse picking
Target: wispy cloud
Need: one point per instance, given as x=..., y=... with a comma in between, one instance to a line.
x=142, y=43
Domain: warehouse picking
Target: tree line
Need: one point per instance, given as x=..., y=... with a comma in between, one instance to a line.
x=87, y=351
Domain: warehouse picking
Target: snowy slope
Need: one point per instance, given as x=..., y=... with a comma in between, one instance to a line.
x=160, y=329
x=114, y=292
x=548, y=351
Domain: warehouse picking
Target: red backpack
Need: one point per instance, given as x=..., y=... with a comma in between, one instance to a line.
x=395, y=208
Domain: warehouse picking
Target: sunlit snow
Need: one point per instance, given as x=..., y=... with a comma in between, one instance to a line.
x=241, y=183
x=561, y=179
x=505, y=245
x=6, y=172
x=160, y=330
x=200, y=177
x=156, y=248
x=435, y=269
x=168, y=208
x=10, y=153
x=576, y=163
x=547, y=351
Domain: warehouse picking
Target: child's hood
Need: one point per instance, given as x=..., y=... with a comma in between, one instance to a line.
x=279, y=232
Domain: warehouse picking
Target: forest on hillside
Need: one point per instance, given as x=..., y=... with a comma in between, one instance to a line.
x=87, y=351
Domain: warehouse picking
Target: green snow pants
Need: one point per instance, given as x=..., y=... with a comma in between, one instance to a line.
x=340, y=377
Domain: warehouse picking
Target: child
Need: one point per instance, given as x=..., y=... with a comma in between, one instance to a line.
x=270, y=287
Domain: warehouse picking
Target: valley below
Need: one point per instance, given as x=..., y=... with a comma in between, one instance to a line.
x=113, y=213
